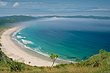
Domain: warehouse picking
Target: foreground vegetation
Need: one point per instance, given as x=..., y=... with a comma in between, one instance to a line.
x=99, y=63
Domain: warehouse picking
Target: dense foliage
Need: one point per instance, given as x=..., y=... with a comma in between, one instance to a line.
x=99, y=63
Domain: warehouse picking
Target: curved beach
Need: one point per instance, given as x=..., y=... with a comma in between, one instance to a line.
x=17, y=52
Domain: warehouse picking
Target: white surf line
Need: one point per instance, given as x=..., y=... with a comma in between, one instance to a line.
x=13, y=51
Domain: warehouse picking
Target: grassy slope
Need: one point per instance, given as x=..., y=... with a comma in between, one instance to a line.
x=64, y=68
x=13, y=19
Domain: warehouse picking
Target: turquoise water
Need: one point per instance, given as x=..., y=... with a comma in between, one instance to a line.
x=69, y=38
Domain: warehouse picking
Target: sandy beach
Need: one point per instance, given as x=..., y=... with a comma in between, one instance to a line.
x=17, y=52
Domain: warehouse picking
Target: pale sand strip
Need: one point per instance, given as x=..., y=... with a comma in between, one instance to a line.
x=19, y=53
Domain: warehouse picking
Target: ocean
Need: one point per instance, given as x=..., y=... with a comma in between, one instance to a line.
x=70, y=38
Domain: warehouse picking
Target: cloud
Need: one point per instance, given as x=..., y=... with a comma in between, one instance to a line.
x=99, y=9
x=31, y=2
x=16, y=4
x=2, y=4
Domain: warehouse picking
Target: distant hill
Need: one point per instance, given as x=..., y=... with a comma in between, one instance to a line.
x=16, y=17
x=13, y=19
x=20, y=18
x=90, y=17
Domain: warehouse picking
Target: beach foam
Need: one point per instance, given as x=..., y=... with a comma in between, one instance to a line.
x=20, y=37
x=37, y=50
x=27, y=41
x=17, y=32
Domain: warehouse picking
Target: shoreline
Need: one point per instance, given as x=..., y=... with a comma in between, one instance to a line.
x=21, y=54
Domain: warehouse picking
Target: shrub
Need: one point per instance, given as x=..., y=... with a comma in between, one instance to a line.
x=1, y=69
x=71, y=64
x=16, y=66
x=86, y=63
x=96, y=64
x=41, y=67
x=29, y=62
x=0, y=54
x=105, y=62
x=82, y=63
x=49, y=66
x=0, y=44
x=62, y=65
x=101, y=51
x=11, y=59
x=78, y=64
x=57, y=66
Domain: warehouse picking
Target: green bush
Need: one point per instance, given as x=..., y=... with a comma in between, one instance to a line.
x=105, y=62
x=71, y=64
x=102, y=51
x=78, y=64
x=60, y=65
x=57, y=66
x=0, y=44
x=104, y=55
x=15, y=66
x=96, y=64
x=0, y=54
x=82, y=63
x=11, y=59
x=86, y=63
x=41, y=67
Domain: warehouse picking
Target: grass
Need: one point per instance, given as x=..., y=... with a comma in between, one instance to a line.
x=86, y=66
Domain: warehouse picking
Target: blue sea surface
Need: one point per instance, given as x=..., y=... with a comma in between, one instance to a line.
x=70, y=38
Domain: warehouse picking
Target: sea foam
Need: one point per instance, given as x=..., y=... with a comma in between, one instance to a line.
x=36, y=50
x=20, y=37
x=27, y=41
x=17, y=32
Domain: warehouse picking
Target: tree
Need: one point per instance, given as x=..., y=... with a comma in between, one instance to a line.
x=53, y=57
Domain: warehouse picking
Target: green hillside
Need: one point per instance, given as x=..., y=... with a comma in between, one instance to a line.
x=99, y=63
x=13, y=19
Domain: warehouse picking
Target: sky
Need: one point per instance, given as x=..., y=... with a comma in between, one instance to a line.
x=55, y=7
